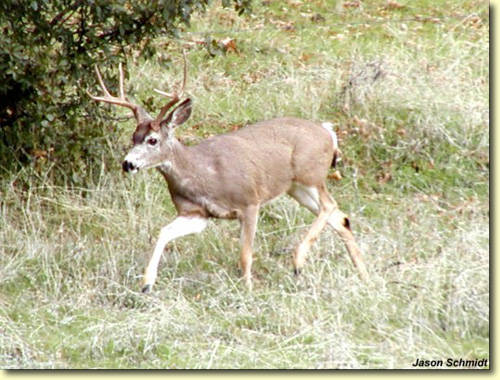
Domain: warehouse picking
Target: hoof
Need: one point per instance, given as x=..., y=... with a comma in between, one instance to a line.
x=297, y=271
x=147, y=288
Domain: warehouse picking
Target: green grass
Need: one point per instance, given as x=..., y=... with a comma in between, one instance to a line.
x=415, y=170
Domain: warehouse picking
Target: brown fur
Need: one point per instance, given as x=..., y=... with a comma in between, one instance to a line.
x=243, y=166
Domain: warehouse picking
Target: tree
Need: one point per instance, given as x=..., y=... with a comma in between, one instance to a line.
x=47, y=52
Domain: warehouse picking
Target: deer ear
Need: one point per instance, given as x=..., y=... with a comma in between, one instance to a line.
x=179, y=115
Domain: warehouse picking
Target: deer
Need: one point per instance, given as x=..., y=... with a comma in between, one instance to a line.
x=232, y=175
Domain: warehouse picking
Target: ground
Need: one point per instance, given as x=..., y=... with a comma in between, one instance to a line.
x=405, y=84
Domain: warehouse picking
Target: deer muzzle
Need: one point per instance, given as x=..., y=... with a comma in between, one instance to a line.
x=128, y=166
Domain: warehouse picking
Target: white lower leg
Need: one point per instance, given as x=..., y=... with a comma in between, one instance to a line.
x=180, y=226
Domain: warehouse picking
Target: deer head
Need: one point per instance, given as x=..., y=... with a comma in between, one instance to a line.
x=153, y=139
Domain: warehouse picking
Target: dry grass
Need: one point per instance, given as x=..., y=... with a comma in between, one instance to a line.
x=415, y=167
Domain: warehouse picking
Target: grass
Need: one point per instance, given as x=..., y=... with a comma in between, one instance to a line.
x=409, y=101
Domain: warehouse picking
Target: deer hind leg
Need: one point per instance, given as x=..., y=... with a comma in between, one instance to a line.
x=248, y=222
x=325, y=207
x=180, y=226
x=309, y=198
x=340, y=223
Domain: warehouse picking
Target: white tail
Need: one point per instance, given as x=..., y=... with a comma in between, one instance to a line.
x=329, y=128
x=232, y=175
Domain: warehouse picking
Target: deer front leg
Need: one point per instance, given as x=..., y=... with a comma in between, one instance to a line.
x=248, y=223
x=180, y=226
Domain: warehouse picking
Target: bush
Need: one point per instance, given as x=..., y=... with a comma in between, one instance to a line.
x=48, y=49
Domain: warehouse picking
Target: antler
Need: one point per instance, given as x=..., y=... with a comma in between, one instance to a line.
x=176, y=96
x=140, y=114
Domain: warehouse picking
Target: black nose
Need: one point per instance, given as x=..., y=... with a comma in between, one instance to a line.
x=126, y=166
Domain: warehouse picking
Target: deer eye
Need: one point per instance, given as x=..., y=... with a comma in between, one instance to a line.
x=152, y=141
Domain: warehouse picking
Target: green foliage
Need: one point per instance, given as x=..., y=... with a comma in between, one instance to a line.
x=47, y=53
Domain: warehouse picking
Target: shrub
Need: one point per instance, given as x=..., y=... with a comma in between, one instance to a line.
x=47, y=53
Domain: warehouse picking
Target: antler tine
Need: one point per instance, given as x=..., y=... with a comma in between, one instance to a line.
x=164, y=93
x=175, y=95
x=139, y=113
x=101, y=82
x=108, y=98
x=122, y=91
x=184, y=79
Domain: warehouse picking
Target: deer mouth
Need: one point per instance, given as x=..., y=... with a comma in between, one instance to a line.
x=133, y=167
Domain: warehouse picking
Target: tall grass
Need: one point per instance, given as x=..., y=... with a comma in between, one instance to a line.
x=409, y=101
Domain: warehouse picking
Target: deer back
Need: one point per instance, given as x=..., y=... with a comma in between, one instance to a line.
x=226, y=173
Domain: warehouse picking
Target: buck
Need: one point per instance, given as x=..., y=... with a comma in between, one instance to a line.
x=232, y=175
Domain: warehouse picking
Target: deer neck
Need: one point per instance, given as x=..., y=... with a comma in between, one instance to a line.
x=180, y=163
